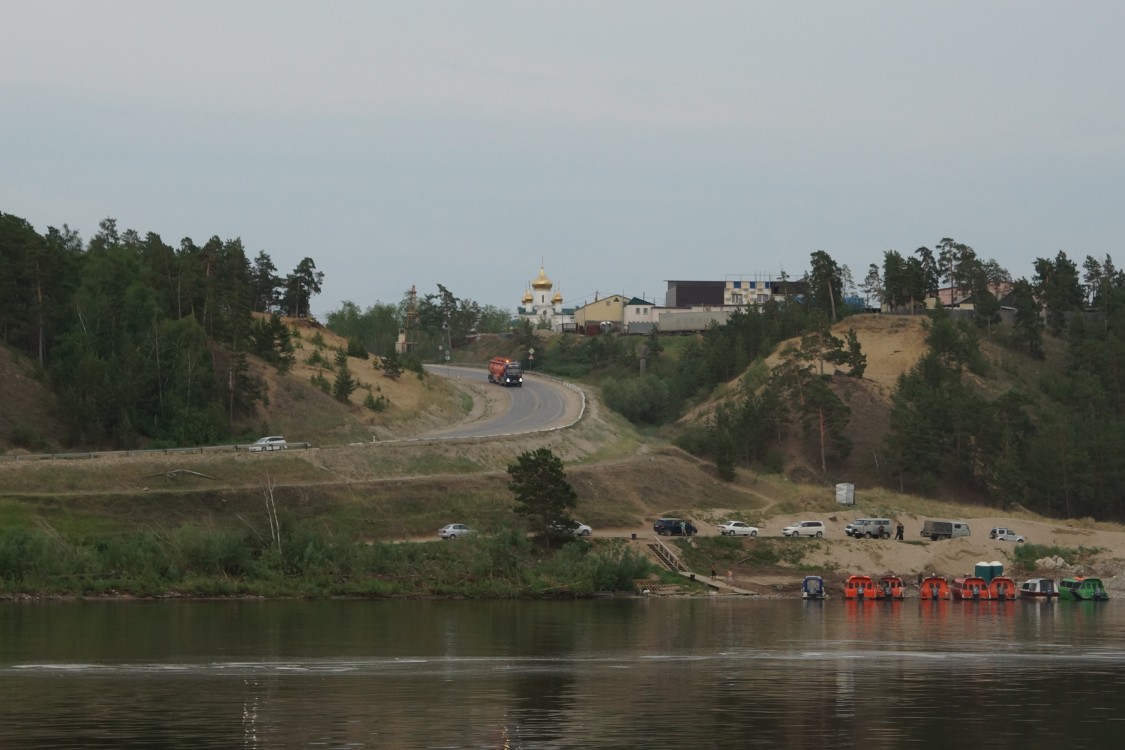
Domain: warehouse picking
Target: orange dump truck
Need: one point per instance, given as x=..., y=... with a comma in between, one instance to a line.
x=504, y=371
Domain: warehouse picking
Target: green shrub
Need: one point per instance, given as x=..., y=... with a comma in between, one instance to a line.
x=1027, y=554
x=376, y=404
x=27, y=437
x=221, y=552
x=696, y=439
x=25, y=554
x=357, y=349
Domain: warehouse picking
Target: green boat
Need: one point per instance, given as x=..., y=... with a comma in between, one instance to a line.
x=1083, y=589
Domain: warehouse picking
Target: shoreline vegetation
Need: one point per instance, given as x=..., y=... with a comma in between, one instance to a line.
x=191, y=561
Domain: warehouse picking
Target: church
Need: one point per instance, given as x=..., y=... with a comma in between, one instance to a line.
x=543, y=309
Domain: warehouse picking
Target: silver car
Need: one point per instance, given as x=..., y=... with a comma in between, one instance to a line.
x=1005, y=535
x=271, y=443
x=454, y=531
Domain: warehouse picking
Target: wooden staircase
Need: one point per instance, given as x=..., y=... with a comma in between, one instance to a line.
x=666, y=556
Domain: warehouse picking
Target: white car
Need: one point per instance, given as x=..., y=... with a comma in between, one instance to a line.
x=454, y=531
x=737, y=528
x=271, y=443
x=1005, y=535
x=805, y=528
x=574, y=527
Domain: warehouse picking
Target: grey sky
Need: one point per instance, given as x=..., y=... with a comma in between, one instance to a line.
x=623, y=143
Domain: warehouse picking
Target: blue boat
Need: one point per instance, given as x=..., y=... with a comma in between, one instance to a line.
x=812, y=588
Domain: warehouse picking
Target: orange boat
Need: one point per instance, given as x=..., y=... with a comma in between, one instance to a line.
x=890, y=588
x=1002, y=588
x=859, y=587
x=934, y=588
x=970, y=588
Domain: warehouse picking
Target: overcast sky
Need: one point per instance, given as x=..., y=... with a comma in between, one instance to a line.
x=620, y=144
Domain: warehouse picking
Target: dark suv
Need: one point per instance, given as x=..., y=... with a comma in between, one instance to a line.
x=673, y=527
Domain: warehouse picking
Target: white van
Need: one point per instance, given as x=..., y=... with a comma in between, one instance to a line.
x=870, y=528
x=805, y=528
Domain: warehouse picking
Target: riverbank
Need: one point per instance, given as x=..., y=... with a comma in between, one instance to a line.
x=772, y=565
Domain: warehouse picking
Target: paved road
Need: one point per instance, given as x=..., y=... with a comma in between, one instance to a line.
x=540, y=404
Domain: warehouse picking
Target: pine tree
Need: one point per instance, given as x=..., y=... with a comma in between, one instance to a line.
x=392, y=365
x=344, y=385
x=542, y=491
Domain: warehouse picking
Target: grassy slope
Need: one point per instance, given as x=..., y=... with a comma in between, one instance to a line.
x=385, y=492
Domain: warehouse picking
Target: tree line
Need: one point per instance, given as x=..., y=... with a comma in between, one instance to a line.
x=146, y=344
x=143, y=342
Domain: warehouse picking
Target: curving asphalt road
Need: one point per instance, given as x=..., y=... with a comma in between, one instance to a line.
x=539, y=404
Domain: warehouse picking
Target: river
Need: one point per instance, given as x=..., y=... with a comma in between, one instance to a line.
x=607, y=673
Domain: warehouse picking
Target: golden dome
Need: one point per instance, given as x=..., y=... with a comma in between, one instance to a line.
x=557, y=299
x=527, y=298
x=541, y=281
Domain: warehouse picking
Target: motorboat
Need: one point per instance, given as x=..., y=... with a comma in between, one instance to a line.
x=1002, y=588
x=859, y=587
x=970, y=588
x=934, y=587
x=1083, y=589
x=1039, y=588
x=812, y=588
x=889, y=588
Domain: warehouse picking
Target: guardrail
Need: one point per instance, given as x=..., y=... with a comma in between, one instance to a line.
x=148, y=452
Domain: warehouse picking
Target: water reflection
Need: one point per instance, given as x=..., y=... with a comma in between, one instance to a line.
x=615, y=673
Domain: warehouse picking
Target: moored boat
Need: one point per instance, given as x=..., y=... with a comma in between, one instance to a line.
x=970, y=588
x=1083, y=589
x=859, y=587
x=1038, y=588
x=1002, y=588
x=934, y=588
x=889, y=588
x=812, y=588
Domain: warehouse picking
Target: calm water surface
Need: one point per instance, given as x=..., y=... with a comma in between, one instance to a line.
x=618, y=673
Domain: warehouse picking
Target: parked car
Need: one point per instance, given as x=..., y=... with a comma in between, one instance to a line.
x=271, y=443
x=737, y=528
x=574, y=527
x=870, y=528
x=673, y=527
x=1005, y=535
x=805, y=528
x=454, y=531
